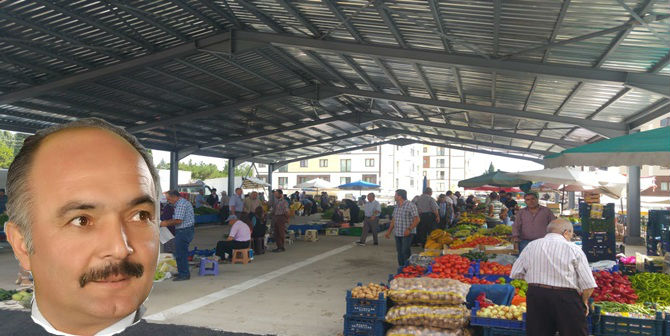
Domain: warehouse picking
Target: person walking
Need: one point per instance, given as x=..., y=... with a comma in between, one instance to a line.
x=372, y=209
x=403, y=226
x=530, y=222
x=236, y=203
x=279, y=219
x=183, y=220
x=560, y=283
x=429, y=215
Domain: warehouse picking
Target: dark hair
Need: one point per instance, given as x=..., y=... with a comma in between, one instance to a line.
x=449, y=193
x=494, y=195
x=402, y=193
x=2, y=189
x=174, y=193
x=213, y=189
x=280, y=191
x=532, y=193
x=428, y=190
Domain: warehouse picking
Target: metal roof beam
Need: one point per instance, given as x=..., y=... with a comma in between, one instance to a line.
x=481, y=151
x=311, y=92
x=480, y=108
x=298, y=16
x=440, y=59
x=285, y=162
x=656, y=110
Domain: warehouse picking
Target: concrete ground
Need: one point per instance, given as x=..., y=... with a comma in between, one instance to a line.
x=298, y=292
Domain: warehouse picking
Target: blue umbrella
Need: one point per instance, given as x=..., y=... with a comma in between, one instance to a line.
x=359, y=185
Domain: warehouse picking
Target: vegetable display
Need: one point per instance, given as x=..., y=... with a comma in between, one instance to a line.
x=445, y=317
x=613, y=287
x=370, y=291
x=494, y=268
x=411, y=272
x=6, y=294
x=437, y=239
x=501, y=230
x=474, y=241
x=652, y=287
x=471, y=218
x=503, y=312
x=475, y=255
x=420, y=331
x=451, y=264
x=428, y=290
x=637, y=310
x=521, y=287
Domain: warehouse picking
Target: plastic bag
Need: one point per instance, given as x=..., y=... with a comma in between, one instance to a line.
x=428, y=290
x=419, y=331
x=445, y=317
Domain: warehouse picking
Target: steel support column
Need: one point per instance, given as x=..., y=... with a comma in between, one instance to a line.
x=271, y=168
x=633, y=208
x=232, y=163
x=571, y=200
x=174, y=170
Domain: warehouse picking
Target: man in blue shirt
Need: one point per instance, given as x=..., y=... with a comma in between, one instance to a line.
x=183, y=221
x=236, y=203
x=200, y=200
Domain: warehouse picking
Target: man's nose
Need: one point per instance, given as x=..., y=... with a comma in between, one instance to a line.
x=114, y=241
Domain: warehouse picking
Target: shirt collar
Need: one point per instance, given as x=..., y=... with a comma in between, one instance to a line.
x=113, y=329
x=555, y=236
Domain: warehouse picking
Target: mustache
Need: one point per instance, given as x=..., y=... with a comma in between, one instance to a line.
x=125, y=267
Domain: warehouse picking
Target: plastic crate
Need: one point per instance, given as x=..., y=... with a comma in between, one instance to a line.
x=495, y=323
x=203, y=219
x=366, y=308
x=358, y=326
x=617, y=325
x=488, y=331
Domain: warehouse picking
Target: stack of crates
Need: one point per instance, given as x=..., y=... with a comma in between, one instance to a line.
x=598, y=234
x=658, y=232
x=365, y=317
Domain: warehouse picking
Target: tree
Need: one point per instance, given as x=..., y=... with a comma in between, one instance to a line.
x=6, y=155
x=491, y=169
x=163, y=165
x=203, y=171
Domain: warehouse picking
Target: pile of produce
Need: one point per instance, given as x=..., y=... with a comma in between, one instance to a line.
x=520, y=286
x=421, y=260
x=473, y=281
x=462, y=231
x=652, y=287
x=205, y=211
x=437, y=239
x=474, y=241
x=478, y=256
x=444, y=317
x=637, y=310
x=514, y=313
x=428, y=290
x=472, y=218
x=411, y=272
x=494, y=268
x=501, y=231
x=451, y=265
x=6, y=294
x=613, y=287
x=370, y=291
x=422, y=331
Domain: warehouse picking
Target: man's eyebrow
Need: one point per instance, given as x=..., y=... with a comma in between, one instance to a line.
x=144, y=199
x=76, y=205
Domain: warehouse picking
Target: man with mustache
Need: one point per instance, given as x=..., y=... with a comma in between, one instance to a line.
x=83, y=219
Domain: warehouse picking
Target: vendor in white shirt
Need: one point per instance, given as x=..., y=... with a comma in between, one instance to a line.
x=238, y=238
x=560, y=283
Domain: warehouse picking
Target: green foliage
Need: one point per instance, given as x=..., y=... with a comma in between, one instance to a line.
x=203, y=171
x=6, y=155
x=10, y=145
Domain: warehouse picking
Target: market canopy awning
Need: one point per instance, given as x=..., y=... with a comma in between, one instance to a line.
x=496, y=179
x=571, y=179
x=316, y=183
x=359, y=185
x=643, y=148
x=253, y=183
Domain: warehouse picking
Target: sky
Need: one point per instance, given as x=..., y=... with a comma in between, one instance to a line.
x=478, y=162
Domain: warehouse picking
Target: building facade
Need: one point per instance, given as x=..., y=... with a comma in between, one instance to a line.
x=443, y=168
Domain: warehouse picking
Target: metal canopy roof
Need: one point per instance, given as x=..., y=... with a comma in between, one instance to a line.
x=278, y=80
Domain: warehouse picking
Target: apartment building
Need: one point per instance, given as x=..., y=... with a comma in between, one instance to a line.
x=443, y=167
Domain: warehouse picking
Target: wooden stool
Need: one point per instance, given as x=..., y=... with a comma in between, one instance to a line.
x=241, y=256
x=311, y=235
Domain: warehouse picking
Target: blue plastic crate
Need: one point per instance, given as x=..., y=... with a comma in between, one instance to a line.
x=202, y=219
x=365, y=307
x=495, y=323
x=358, y=326
x=616, y=325
x=488, y=331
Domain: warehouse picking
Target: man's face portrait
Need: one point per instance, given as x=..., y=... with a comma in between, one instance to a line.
x=238, y=192
x=94, y=231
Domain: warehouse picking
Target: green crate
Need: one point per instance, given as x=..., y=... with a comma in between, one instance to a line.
x=352, y=231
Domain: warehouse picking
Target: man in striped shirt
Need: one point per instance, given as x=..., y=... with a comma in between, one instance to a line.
x=559, y=280
x=403, y=225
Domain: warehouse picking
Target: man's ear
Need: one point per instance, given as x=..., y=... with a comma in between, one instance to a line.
x=18, y=243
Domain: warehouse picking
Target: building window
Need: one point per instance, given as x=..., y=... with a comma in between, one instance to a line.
x=283, y=169
x=440, y=187
x=370, y=149
x=283, y=182
x=411, y=182
x=371, y=178
x=345, y=180
x=323, y=163
x=426, y=162
x=440, y=163
x=345, y=165
x=440, y=151
x=303, y=163
x=262, y=165
x=369, y=162
x=440, y=175
x=397, y=182
x=425, y=149
x=303, y=179
x=664, y=186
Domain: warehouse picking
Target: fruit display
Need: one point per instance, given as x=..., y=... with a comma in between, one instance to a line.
x=411, y=272
x=501, y=230
x=428, y=290
x=472, y=218
x=494, y=268
x=652, y=287
x=613, y=287
x=370, y=291
x=474, y=241
x=521, y=287
x=422, y=331
x=437, y=239
x=473, y=281
x=514, y=313
x=463, y=228
x=445, y=317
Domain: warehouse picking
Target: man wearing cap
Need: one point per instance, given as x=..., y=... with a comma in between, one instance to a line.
x=183, y=220
x=238, y=238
